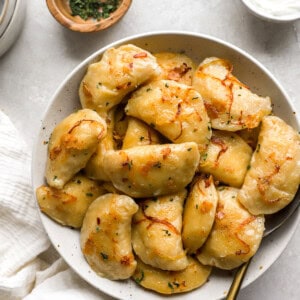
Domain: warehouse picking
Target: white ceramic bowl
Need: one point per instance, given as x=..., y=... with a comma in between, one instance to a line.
x=66, y=100
x=12, y=13
x=260, y=11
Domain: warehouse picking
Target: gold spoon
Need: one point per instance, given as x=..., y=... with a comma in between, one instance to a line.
x=272, y=223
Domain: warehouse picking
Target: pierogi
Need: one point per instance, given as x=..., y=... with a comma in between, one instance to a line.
x=72, y=143
x=175, y=66
x=156, y=232
x=68, y=205
x=175, y=110
x=230, y=104
x=274, y=175
x=119, y=72
x=105, y=236
x=235, y=236
x=172, y=282
x=199, y=213
x=140, y=134
x=94, y=167
x=146, y=171
x=226, y=158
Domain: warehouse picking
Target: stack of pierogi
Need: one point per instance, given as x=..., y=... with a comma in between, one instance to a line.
x=168, y=169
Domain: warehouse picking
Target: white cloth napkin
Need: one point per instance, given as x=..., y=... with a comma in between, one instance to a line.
x=29, y=267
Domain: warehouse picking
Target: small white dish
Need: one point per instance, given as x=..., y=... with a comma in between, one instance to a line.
x=12, y=13
x=66, y=100
x=276, y=11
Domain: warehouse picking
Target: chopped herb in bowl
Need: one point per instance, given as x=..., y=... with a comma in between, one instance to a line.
x=97, y=9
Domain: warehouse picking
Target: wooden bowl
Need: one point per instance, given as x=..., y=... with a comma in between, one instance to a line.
x=61, y=11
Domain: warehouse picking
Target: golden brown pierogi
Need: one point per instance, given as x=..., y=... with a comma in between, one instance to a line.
x=105, y=236
x=199, y=213
x=226, y=158
x=274, y=175
x=230, y=104
x=72, y=143
x=175, y=110
x=235, y=236
x=172, y=282
x=175, y=66
x=156, y=232
x=94, y=167
x=152, y=170
x=68, y=205
x=118, y=73
x=140, y=134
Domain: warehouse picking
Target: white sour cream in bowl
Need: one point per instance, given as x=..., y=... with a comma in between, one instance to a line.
x=275, y=10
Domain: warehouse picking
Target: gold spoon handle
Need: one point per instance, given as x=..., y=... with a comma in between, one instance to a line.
x=237, y=281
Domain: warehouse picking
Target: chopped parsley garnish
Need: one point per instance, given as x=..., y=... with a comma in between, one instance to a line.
x=93, y=8
x=104, y=256
x=173, y=285
x=204, y=156
x=138, y=280
x=170, y=285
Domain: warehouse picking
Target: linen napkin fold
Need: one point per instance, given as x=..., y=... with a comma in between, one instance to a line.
x=21, y=235
x=28, y=267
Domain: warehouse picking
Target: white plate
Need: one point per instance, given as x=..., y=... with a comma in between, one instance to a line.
x=65, y=101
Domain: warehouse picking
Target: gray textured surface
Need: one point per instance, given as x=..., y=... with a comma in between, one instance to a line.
x=46, y=52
